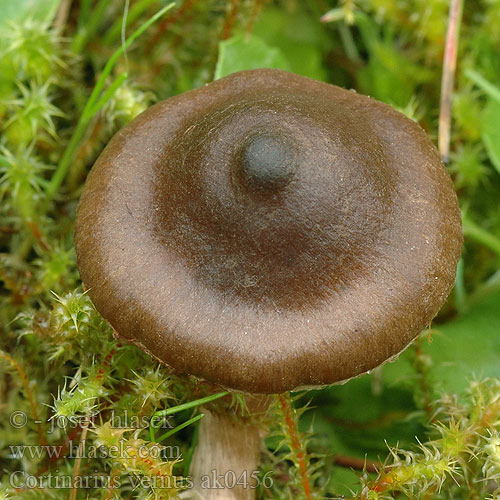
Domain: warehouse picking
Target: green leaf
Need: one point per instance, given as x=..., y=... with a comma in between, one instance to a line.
x=299, y=36
x=241, y=52
x=484, y=84
x=468, y=347
x=490, y=131
x=18, y=10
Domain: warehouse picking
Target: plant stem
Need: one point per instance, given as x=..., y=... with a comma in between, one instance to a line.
x=448, y=79
x=297, y=450
x=136, y=10
x=62, y=14
x=78, y=459
x=459, y=290
x=348, y=42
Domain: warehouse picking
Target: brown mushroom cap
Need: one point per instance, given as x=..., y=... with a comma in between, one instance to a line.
x=269, y=231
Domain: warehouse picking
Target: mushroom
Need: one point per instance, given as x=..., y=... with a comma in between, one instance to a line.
x=268, y=232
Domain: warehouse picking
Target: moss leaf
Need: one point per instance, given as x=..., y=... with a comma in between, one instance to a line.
x=247, y=52
x=490, y=132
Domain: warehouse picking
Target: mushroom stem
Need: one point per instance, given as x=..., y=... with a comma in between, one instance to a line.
x=225, y=463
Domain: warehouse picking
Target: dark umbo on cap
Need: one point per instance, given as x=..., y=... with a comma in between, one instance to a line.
x=268, y=232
